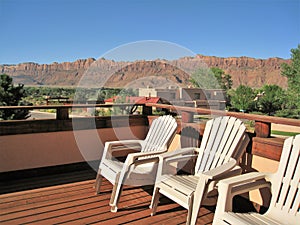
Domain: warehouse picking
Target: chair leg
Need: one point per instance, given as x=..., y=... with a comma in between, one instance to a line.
x=115, y=195
x=197, y=199
x=98, y=182
x=190, y=210
x=154, y=201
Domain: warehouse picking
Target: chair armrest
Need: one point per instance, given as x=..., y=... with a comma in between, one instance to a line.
x=232, y=186
x=220, y=171
x=247, y=177
x=140, y=156
x=183, y=158
x=183, y=154
x=117, y=145
x=120, y=146
x=243, y=183
x=176, y=153
x=153, y=158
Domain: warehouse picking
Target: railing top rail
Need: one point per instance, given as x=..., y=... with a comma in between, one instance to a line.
x=68, y=106
x=262, y=118
x=254, y=117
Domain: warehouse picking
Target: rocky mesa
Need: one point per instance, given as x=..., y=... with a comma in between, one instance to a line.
x=244, y=70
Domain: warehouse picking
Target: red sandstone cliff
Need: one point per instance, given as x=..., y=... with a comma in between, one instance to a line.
x=244, y=70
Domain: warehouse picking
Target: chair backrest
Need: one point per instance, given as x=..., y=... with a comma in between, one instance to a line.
x=221, y=140
x=285, y=183
x=160, y=134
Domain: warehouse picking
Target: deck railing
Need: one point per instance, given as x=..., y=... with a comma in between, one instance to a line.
x=29, y=145
x=263, y=144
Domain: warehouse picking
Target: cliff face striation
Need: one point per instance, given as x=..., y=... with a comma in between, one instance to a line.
x=250, y=71
x=244, y=70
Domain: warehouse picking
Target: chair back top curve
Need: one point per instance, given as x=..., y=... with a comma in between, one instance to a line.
x=160, y=134
x=285, y=183
x=221, y=140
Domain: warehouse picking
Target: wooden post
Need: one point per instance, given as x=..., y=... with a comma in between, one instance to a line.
x=62, y=113
x=187, y=117
x=147, y=110
x=262, y=129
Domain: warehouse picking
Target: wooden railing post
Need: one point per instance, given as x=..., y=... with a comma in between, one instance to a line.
x=187, y=117
x=62, y=113
x=147, y=110
x=262, y=129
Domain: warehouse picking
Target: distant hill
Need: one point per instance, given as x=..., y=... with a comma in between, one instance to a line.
x=244, y=70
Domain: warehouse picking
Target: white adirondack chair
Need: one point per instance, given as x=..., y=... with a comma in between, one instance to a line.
x=223, y=143
x=140, y=167
x=284, y=186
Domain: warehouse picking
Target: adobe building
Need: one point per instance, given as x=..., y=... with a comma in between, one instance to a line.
x=194, y=97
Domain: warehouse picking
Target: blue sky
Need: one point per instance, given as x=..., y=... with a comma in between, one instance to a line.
x=46, y=31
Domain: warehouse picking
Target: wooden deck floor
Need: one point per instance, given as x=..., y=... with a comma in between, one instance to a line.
x=72, y=200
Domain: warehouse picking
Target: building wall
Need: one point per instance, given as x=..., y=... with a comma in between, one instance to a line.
x=190, y=94
x=169, y=95
x=184, y=94
x=147, y=92
x=215, y=94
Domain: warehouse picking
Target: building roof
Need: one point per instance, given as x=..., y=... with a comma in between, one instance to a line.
x=134, y=99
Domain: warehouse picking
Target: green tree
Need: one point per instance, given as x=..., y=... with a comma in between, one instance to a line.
x=224, y=80
x=292, y=72
x=242, y=98
x=101, y=95
x=204, y=78
x=11, y=95
x=211, y=78
x=81, y=96
x=271, y=99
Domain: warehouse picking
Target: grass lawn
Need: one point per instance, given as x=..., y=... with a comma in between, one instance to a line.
x=283, y=133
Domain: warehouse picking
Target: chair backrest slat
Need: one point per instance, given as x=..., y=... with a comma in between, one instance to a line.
x=235, y=137
x=160, y=133
x=285, y=183
x=203, y=144
x=227, y=137
x=220, y=141
x=166, y=130
x=212, y=143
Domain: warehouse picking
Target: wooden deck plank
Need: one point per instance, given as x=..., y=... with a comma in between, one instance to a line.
x=68, y=210
x=46, y=200
x=127, y=201
x=33, y=196
x=77, y=203
x=52, y=180
x=86, y=212
x=52, y=203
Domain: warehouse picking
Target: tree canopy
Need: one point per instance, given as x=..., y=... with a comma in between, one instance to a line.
x=271, y=99
x=224, y=80
x=242, y=99
x=211, y=78
x=204, y=78
x=11, y=95
x=292, y=72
